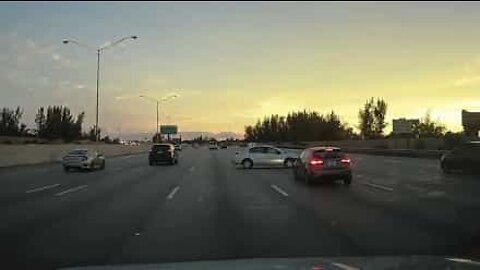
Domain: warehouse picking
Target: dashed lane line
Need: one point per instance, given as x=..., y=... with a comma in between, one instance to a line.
x=377, y=186
x=173, y=192
x=279, y=190
x=71, y=190
x=41, y=188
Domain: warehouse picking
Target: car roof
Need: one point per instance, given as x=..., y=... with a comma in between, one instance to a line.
x=263, y=145
x=322, y=148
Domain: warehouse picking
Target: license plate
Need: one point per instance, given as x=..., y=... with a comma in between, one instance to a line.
x=331, y=164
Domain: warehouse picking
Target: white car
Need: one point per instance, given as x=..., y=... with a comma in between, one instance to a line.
x=265, y=155
x=83, y=159
x=212, y=146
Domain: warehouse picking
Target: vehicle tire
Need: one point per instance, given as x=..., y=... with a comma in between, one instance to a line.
x=296, y=177
x=307, y=179
x=288, y=163
x=445, y=168
x=102, y=167
x=347, y=181
x=172, y=162
x=91, y=167
x=247, y=163
x=66, y=169
x=150, y=163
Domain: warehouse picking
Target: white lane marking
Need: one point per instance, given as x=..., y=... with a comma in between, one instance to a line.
x=71, y=190
x=279, y=190
x=344, y=266
x=385, y=188
x=42, y=188
x=173, y=192
x=191, y=169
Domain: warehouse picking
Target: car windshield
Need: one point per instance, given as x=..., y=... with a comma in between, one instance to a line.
x=280, y=134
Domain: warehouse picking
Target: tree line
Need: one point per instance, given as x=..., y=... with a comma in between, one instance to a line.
x=313, y=126
x=51, y=123
x=299, y=126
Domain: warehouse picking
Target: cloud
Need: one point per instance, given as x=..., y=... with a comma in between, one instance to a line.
x=466, y=81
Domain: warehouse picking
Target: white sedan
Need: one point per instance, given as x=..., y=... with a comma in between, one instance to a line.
x=264, y=156
x=83, y=159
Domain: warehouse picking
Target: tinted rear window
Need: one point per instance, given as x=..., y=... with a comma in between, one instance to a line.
x=78, y=152
x=160, y=147
x=335, y=153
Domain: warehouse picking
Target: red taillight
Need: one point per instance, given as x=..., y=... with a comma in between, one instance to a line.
x=346, y=161
x=316, y=162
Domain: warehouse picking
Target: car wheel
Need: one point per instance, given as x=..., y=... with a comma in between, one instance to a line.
x=103, y=165
x=247, y=164
x=445, y=168
x=150, y=163
x=296, y=177
x=288, y=163
x=307, y=178
x=347, y=180
x=65, y=168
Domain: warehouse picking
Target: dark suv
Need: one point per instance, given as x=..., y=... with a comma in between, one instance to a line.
x=464, y=158
x=164, y=152
x=323, y=164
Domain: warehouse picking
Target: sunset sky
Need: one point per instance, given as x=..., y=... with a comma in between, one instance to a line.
x=231, y=62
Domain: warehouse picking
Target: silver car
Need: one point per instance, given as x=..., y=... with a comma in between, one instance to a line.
x=264, y=156
x=83, y=159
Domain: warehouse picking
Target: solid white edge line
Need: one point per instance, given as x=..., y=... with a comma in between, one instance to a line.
x=385, y=188
x=173, y=192
x=279, y=190
x=42, y=188
x=71, y=190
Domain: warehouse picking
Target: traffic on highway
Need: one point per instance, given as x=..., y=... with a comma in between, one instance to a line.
x=239, y=135
x=209, y=208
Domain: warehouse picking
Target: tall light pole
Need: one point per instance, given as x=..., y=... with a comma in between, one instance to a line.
x=157, y=101
x=99, y=51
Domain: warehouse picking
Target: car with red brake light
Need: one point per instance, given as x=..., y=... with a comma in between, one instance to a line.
x=320, y=164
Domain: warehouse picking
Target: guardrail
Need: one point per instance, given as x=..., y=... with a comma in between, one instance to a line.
x=430, y=154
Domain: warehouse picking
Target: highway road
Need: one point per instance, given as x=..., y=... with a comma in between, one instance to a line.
x=205, y=208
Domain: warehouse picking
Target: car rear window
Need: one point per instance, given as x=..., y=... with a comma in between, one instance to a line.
x=334, y=153
x=78, y=152
x=160, y=147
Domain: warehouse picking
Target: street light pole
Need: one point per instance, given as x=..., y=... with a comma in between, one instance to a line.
x=97, y=135
x=98, y=50
x=157, y=101
x=157, y=120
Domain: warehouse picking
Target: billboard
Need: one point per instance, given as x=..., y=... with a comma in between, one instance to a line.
x=404, y=126
x=168, y=129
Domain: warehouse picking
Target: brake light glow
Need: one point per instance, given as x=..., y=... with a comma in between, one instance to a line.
x=316, y=162
x=346, y=160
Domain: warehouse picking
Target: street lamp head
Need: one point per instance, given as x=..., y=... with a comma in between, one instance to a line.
x=134, y=37
x=65, y=41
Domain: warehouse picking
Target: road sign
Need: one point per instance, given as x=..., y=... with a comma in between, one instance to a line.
x=168, y=129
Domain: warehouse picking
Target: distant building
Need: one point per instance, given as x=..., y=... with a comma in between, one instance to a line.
x=404, y=126
x=471, y=122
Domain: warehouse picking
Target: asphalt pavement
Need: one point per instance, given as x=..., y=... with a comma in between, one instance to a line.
x=205, y=208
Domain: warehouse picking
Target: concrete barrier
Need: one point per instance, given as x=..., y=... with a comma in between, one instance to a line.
x=28, y=154
x=430, y=154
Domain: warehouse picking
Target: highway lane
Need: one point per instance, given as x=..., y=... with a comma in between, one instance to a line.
x=204, y=208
